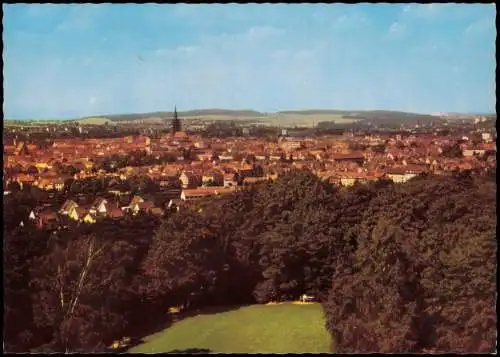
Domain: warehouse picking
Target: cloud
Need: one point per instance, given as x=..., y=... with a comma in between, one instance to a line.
x=80, y=17
x=92, y=100
x=482, y=26
x=424, y=10
x=263, y=32
x=396, y=27
x=351, y=21
x=396, y=31
x=254, y=34
x=180, y=50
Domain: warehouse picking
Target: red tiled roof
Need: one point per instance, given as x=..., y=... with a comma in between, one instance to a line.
x=198, y=192
x=180, y=134
x=115, y=212
x=146, y=205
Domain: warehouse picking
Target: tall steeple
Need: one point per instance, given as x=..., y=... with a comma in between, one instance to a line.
x=176, y=122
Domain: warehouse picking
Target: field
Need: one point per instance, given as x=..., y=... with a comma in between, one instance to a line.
x=278, y=119
x=306, y=120
x=281, y=328
x=300, y=118
x=94, y=121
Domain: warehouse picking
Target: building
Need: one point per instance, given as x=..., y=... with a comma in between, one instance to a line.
x=176, y=123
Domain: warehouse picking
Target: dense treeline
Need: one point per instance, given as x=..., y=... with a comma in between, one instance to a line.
x=398, y=268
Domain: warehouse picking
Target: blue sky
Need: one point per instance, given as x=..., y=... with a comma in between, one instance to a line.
x=63, y=61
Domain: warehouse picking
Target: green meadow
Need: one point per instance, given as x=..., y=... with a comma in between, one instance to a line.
x=281, y=328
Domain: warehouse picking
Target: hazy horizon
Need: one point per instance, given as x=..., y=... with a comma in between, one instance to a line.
x=180, y=110
x=72, y=61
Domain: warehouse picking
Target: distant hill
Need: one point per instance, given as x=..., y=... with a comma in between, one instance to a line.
x=238, y=113
x=188, y=113
x=305, y=117
x=388, y=114
x=319, y=111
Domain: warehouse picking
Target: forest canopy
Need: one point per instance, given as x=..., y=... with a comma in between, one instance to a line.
x=398, y=268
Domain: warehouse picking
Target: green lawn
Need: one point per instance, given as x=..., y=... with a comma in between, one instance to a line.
x=285, y=328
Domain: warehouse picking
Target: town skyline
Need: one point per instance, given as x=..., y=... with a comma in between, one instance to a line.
x=117, y=59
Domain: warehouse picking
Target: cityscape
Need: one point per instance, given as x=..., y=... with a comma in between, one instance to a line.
x=138, y=224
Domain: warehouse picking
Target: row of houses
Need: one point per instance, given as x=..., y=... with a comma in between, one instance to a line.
x=47, y=216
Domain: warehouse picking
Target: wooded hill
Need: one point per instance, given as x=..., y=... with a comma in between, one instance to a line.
x=398, y=268
x=283, y=116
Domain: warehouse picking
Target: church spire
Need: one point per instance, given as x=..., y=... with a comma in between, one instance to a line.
x=176, y=122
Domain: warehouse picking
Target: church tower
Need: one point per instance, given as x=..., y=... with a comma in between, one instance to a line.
x=176, y=122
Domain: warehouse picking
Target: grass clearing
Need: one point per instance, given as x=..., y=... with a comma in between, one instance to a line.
x=280, y=328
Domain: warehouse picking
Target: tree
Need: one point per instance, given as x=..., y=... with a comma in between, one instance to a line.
x=452, y=151
x=415, y=277
x=184, y=261
x=75, y=188
x=21, y=247
x=379, y=148
x=14, y=187
x=78, y=288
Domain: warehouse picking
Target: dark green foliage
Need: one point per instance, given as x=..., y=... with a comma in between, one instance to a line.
x=422, y=277
x=452, y=151
x=398, y=268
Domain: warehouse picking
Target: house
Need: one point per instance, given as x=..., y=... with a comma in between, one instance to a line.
x=348, y=179
x=245, y=170
x=59, y=184
x=24, y=179
x=486, y=137
x=181, y=136
x=139, y=205
x=356, y=157
x=45, y=184
x=89, y=218
x=76, y=213
x=226, y=157
x=175, y=204
x=473, y=152
x=204, y=156
x=195, y=194
x=157, y=211
x=230, y=180
x=46, y=218
x=405, y=173
x=167, y=180
x=273, y=176
x=67, y=207
x=145, y=206
x=199, y=193
x=136, y=199
x=253, y=180
x=213, y=177
x=50, y=183
x=100, y=206
x=190, y=179
x=115, y=213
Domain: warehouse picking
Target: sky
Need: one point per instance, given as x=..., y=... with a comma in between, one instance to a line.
x=66, y=61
